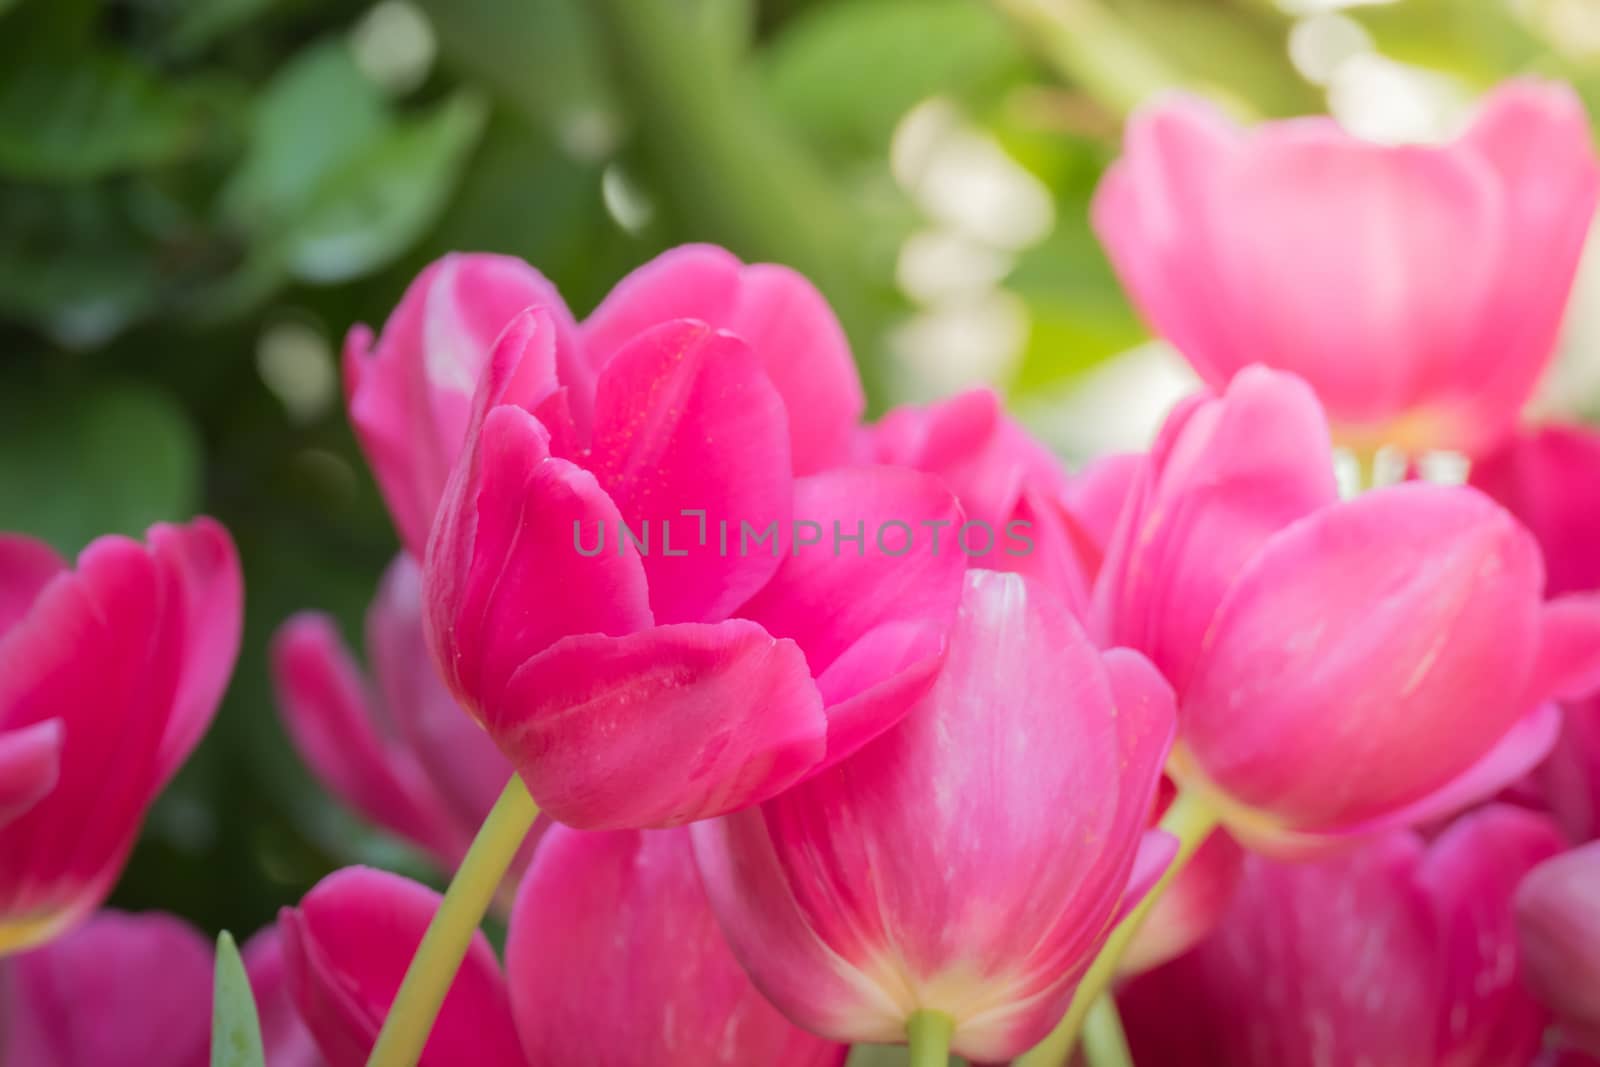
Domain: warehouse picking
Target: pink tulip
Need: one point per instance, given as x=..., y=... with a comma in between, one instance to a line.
x=970, y=861
x=636, y=688
x=614, y=959
x=1399, y=954
x=410, y=394
x=1418, y=289
x=1339, y=666
x=109, y=674
x=401, y=753
x=1011, y=487
x=1558, y=918
x=346, y=949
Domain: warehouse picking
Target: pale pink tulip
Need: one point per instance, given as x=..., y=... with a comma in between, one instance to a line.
x=1418, y=289
x=635, y=687
x=971, y=860
x=1399, y=954
x=1558, y=918
x=346, y=949
x=1013, y=491
x=1340, y=666
x=410, y=393
x=109, y=674
x=614, y=959
x=400, y=751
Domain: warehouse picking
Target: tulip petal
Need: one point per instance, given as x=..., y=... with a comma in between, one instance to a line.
x=25, y=566
x=506, y=576
x=614, y=959
x=30, y=764
x=347, y=946
x=1569, y=653
x=330, y=717
x=121, y=991
x=686, y=421
x=1549, y=478
x=284, y=1038
x=662, y=727
x=1558, y=925
x=1366, y=659
x=780, y=315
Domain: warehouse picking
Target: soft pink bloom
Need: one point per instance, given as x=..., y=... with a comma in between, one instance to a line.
x=410, y=392
x=1339, y=665
x=399, y=751
x=614, y=959
x=1013, y=490
x=1558, y=918
x=109, y=674
x=1399, y=954
x=637, y=688
x=346, y=949
x=971, y=860
x=1418, y=289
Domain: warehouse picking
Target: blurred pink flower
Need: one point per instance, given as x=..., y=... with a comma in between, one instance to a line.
x=410, y=392
x=971, y=860
x=634, y=687
x=346, y=949
x=1340, y=666
x=1558, y=918
x=1418, y=289
x=127, y=990
x=109, y=675
x=400, y=752
x=1398, y=953
x=614, y=959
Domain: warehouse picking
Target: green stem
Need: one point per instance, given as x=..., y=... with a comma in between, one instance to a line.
x=928, y=1034
x=1104, y=1043
x=444, y=946
x=1089, y=45
x=1191, y=821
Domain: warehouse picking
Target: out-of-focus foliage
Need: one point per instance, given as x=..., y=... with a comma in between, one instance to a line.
x=198, y=198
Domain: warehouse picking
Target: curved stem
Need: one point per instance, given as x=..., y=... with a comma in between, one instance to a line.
x=444, y=946
x=1191, y=821
x=928, y=1034
x=1104, y=1043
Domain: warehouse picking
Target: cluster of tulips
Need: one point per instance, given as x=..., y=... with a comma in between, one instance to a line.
x=769, y=732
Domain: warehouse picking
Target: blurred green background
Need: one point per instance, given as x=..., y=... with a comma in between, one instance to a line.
x=197, y=199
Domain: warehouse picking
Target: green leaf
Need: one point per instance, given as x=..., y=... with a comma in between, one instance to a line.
x=235, y=1027
x=77, y=464
x=383, y=199
x=76, y=117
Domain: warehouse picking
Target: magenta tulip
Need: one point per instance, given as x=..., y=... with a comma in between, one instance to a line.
x=970, y=861
x=1399, y=954
x=1339, y=666
x=637, y=684
x=109, y=675
x=1418, y=289
x=284, y=1036
x=410, y=393
x=400, y=752
x=614, y=959
x=1013, y=490
x=1558, y=918
x=346, y=948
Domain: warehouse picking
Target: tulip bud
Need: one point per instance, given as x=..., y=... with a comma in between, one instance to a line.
x=85, y=751
x=1419, y=289
x=971, y=860
x=614, y=959
x=347, y=947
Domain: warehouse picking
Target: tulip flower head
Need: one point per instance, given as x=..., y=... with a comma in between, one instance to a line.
x=971, y=860
x=1419, y=290
x=109, y=675
x=1558, y=919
